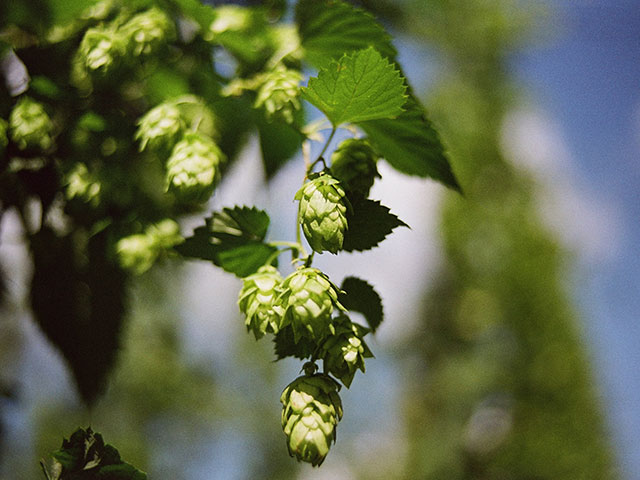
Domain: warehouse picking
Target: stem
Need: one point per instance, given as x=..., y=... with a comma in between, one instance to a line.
x=324, y=149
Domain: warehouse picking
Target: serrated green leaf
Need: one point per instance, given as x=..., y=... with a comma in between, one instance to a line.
x=359, y=296
x=285, y=345
x=411, y=145
x=369, y=223
x=231, y=239
x=360, y=86
x=329, y=28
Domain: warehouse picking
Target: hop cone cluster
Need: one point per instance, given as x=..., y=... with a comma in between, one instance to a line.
x=311, y=412
x=353, y=163
x=147, y=31
x=257, y=299
x=344, y=352
x=306, y=302
x=322, y=213
x=278, y=94
x=160, y=126
x=140, y=251
x=30, y=126
x=82, y=185
x=193, y=168
x=101, y=49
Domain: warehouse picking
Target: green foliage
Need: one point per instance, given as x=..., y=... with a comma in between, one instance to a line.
x=360, y=86
x=359, y=296
x=85, y=456
x=369, y=224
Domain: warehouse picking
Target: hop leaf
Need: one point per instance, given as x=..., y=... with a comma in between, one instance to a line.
x=256, y=301
x=279, y=94
x=353, y=163
x=322, y=213
x=160, y=126
x=30, y=126
x=101, y=49
x=306, y=301
x=311, y=411
x=193, y=168
x=344, y=352
x=147, y=31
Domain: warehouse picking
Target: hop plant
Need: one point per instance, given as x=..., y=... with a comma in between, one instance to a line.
x=344, y=352
x=306, y=302
x=147, y=31
x=101, y=49
x=139, y=252
x=4, y=141
x=160, y=126
x=257, y=299
x=81, y=184
x=193, y=168
x=353, y=163
x=30, y=126
x=322, y=213
x=311, y=411
x=278, y=94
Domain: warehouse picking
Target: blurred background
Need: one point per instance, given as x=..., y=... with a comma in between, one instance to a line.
x=510, y=343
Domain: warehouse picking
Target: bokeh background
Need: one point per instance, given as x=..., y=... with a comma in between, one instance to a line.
x=510, y=344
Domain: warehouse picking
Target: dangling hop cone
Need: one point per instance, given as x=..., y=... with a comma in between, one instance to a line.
x=322, y=213
x=306, y=301
x=29, y=125
x=279, y=94
x=353, y=163
x=160, y=126
x=312, y=410
x=256, y=301
x=344, y=352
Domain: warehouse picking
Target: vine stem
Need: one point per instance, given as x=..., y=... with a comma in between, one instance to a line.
x=326, y=145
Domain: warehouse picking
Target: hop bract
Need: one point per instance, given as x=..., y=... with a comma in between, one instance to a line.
x=311, y=412
x=278, y=94
x=353, y=163
x=257, y=299
x=147, y=31
x=344, y=352
x=193, y=168
x=160, y=126
x=306, y=301
x=30, y=126
x=322, y=213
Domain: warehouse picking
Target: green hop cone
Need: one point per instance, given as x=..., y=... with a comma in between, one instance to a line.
x=344, y=353
x=4, y=140
x=101, y=49
x=257, y=299
x=353, y=163
x=311, y=411
x=193, y=168
x=322, y=213
x=81, y=184
x=30, y=126
x=160, y=126
x=147, y=31
x=139, y=252
x=279, y=94
x=306, y=302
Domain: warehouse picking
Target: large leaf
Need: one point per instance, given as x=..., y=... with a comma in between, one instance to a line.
x=360, y=86
x=411, y=145
x=232, y=239
x=78, y=300
x=329, y=28
x=361, y=297
x=278, y=143
x=369, y=223
x=285, y=345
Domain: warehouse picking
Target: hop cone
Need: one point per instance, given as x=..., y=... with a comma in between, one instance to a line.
x=82, y=185
x=322, y=213
x=306, y=301
x=4, y=141
x=256, y=300
x=353, y=163
x=312, y=410
x=101, y=49
x=140, y=251
x=344, y=352
x=160, y=126
x=278, y=94
x=29, y=125
x=147, y=31
x=193, y=168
